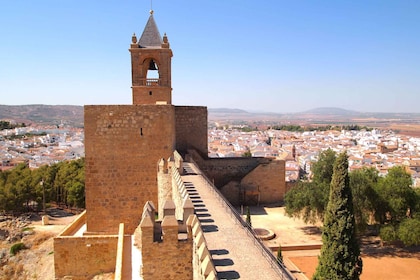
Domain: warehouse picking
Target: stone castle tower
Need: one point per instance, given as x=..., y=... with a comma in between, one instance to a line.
x=134, y=157
x=123, y=143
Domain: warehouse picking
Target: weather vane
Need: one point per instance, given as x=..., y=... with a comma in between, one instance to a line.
x=151, y=6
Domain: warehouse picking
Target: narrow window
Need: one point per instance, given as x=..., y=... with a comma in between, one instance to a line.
x=150, y=92
x=141, y=131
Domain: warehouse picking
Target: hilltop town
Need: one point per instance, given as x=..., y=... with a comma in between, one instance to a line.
x=163, y=185
x=38, y=145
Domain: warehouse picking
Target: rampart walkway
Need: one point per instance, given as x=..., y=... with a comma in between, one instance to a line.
x=236, y=253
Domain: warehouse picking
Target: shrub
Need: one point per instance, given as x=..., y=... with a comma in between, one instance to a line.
x=27, y=229
x=16, y=248
x=388, y=233
x=409, y=232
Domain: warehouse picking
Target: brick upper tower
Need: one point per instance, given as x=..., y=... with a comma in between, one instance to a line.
x=151, y=66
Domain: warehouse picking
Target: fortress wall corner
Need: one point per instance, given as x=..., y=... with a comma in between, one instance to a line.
x=191, y=128
x=123, y=144
x=270, y=180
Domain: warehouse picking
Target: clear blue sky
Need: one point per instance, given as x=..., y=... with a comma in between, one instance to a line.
x=274, y=55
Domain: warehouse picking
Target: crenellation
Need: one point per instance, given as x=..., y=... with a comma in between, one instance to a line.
x=169, y=250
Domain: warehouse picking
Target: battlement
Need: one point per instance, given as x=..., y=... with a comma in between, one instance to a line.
x=172, y=188
x=163, y=247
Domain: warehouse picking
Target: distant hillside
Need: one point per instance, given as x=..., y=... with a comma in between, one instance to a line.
x=236, y=115
x=43, y=114
x=73, y=115
x=331, y=111
x=226, y=111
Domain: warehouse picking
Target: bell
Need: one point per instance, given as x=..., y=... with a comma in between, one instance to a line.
x=152, y=65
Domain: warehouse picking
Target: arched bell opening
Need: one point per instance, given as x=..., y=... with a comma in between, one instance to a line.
x=152, y=70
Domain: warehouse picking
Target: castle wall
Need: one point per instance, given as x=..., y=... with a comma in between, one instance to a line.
x=233, y=175
x=269, y=178
x=84, y=257
x=223, y=170
x=168, y=257
x=191, y=128
x=123, y=144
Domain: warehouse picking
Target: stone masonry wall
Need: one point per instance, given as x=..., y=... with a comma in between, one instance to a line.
x=232, y=174
x=84, y=257
x=191, y=129
x=270, y=180
x=170, y=258
x=223, y=170
x=123, y=144
x=151, y=95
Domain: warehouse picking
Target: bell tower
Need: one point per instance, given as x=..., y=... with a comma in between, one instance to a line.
x=151, y=66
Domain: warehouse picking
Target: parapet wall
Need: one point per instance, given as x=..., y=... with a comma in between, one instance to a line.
x=81, y=258
x=202, y=260
x=181, y=198
x=265, y=177
x=167, y=257
x=268, y=179
x=223, y=170
x=172, y=188
x=72, y=228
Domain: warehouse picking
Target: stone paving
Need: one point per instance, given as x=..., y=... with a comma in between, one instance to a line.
x=235, y=253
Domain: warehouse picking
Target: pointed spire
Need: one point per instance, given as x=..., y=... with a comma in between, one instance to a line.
x=151, y=36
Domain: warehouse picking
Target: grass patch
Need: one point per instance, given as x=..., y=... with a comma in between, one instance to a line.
x=16, y=248
x=41, y=237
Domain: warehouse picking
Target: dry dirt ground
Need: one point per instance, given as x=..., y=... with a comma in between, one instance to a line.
x=379, y=262
x=37, y=262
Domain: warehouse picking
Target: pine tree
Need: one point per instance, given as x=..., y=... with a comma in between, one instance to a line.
x=340, y=252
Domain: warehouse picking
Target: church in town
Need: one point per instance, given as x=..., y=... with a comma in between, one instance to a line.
x=136, y=199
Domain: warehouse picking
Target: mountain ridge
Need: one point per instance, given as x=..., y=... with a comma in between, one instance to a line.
x=73, y=114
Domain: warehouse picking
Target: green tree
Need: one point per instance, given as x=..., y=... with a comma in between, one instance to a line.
x=408, y=232
x=63, y=182
x=323, y=169
x=76, y=195
x=340, y=253
x=362, y=183
x=308, y=200
x=396, y=196
x=247, y=153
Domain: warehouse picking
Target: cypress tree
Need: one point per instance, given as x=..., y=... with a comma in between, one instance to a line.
x=279, y=255
x=248, y=216
x=340, y=252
